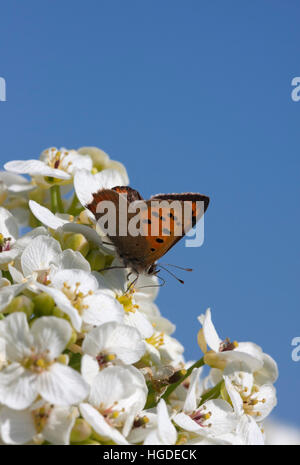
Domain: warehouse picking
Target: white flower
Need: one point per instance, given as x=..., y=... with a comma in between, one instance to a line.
x=77, y=294
x=10, y=244
x=59, y=164
x=117, y=395
x=41, y=260
x=246, y=395
x=248, y=432
x=224, y=351
x=8, y=292
x=101, y=161
x=62, y=223
x=213, y=418
x=45, y=216
x=165, y=432
x=41, y=422
x=15, y=184
x=13, y=195
x=86, y=183
x=116, y=284
x=9, y=233
x=165, y=349
x=34, y=367
x=110, y=343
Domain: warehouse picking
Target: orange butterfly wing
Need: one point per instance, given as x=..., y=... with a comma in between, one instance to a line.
x=168, y=218
x=163, y=221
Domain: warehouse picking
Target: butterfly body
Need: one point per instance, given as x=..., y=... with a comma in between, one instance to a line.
x=159, y=223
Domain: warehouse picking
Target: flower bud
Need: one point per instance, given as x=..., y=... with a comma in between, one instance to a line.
x=58, y=312
x=108, y=260
x=81, y=431
x=213, y=359
x=43, y=304
x=96, y=259
x=63, y=358
x=20, y=304
x=84, y=218
x=73, y=338
x=77, y=242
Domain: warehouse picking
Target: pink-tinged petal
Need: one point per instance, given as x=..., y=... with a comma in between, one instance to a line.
x=18, y=387
x=62, y=386
x=8, y=256
x=186, y=423
x=98, y=423
x=16, y=426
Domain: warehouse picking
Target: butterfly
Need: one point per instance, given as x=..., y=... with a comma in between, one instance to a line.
x=162, y=221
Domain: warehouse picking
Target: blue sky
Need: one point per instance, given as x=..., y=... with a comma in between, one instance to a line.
x=190, y=96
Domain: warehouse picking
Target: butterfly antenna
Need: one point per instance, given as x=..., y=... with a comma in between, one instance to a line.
x=172, y=274
x=111, y=268
x=163, y=282
x=176, y=266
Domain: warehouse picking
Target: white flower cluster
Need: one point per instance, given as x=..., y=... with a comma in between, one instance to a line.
x=85, y=358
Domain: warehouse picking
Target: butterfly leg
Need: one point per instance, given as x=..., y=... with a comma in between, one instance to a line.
x=131, y=285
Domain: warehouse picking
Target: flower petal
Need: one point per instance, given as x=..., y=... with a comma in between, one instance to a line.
x=98, y=423
x=16, y=427
x=18, y=387
x=59, y=425
x=14, y=330
x=35, y=168
x=51, y=335
x=40, y=254
x=61, y=385
x=45, y=216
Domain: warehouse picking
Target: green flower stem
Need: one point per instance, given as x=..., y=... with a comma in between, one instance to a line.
x=151, y=402
x=56, y=201
x=6, y=274
x=213, y=393
x=173, y=386
x=72, y=208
